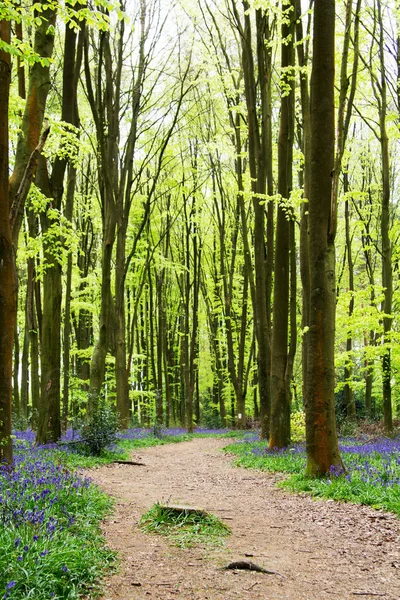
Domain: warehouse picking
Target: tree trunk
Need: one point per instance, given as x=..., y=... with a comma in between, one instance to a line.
x=32, y=120
x=348, y=370
x=260, y=161
x=124, y=409
x=8, y=281
x=67, y=307
x=33, y=309
x=16, y=368
x=321, y=438
x=49, y=426
x=280, y=394
x=24, y=396
x=304, y=141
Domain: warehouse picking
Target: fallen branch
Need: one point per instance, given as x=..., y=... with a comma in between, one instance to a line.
x=247, y=565
x=128, y=462
x=367, y=594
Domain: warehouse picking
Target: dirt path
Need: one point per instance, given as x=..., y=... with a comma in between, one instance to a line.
x=321, y=549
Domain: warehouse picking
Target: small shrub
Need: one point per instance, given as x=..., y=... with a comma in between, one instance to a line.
x=100, y=430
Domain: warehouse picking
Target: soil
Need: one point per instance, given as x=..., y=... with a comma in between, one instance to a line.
x=319, y=549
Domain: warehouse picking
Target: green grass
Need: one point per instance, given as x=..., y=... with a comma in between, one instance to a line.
x=372, y=474
x=184, y=529
x=249, y=455
x=355, y=490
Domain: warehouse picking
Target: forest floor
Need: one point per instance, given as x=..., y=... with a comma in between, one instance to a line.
x=319, y=549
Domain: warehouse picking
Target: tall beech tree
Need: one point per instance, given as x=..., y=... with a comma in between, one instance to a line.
x=321, y=438
x=29, y=147
x=304, y=137
x=380, y=91
x=52, y=186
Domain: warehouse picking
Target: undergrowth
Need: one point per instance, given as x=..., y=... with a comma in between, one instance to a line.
x=50, y=541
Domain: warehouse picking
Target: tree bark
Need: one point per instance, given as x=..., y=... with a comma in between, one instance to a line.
x=32, y=120
x=8, y=281
x=280, y=394
x=49, y=427
x=321, y=438
x=304, y=141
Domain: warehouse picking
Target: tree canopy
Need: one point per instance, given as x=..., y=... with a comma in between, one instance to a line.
x=200, y=199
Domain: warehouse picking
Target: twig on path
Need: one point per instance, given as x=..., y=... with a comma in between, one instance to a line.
x=367, y=594
x=253, y=585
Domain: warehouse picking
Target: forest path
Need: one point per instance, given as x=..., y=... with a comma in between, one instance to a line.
x=321, y=549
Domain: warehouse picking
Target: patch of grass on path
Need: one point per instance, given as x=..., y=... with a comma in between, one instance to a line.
x=183, y=528
x=372, y=474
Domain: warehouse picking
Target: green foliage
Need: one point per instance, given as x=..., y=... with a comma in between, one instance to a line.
x=184, y=528
x=210, y=415
x=298, y=426
x=100, y=430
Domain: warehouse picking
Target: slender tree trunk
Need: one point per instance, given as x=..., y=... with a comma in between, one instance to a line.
x=321, y=438
x=67, y=307
x=280, y=394
x=32, y=311
x=8, y=281
x=25, y=377
x=387, y=272
x=305, y=140
x=348, y=370
x=121, y=376
x=16, y=369
x=49, y=427
x=292, y=311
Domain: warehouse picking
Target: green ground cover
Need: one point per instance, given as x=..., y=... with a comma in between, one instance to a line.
x=371, y=475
